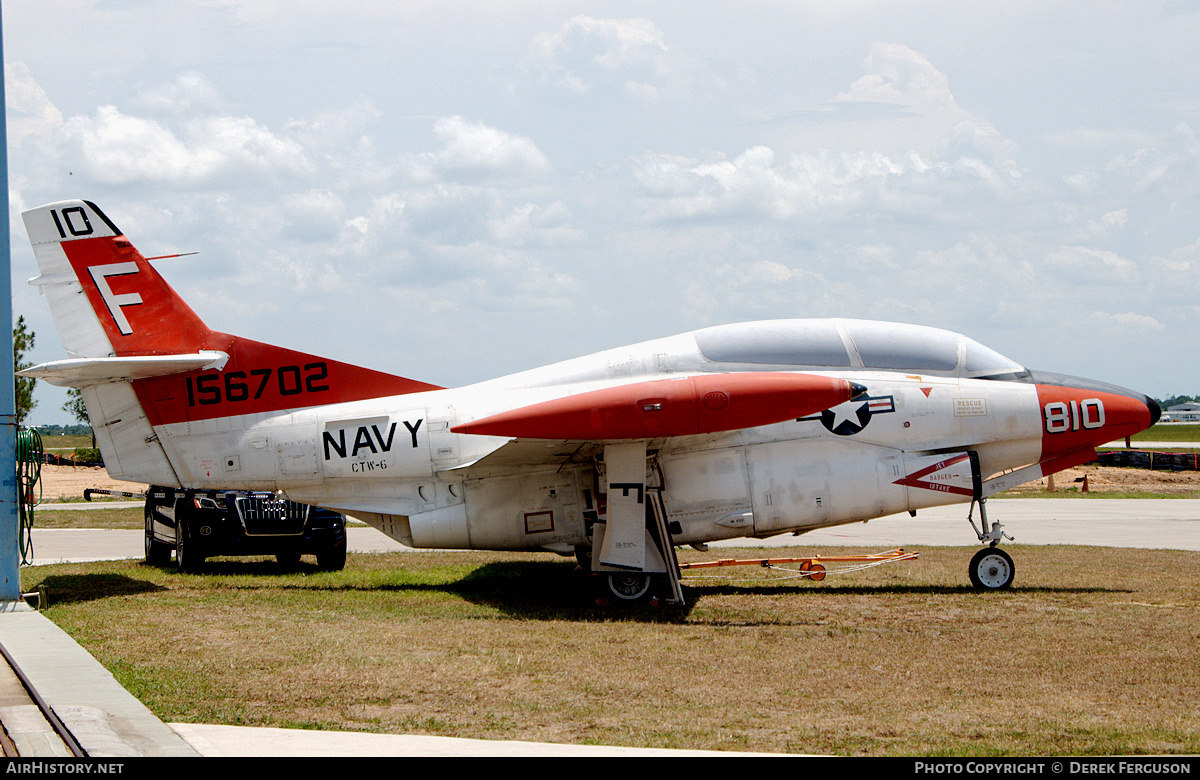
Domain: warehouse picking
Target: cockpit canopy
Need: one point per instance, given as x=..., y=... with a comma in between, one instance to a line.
x=866, y=344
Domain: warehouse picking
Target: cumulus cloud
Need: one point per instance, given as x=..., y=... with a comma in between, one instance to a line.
x=924, y=111
x=822, y=184
x=1171, y=165
x=1110, y=221
x=763, y=287
x=1087, y=267
x=935, y=150
x=620, y=56
x=118, y=148
x=1130, y=321
x=189, y=94
x=898, y=75
x=474, y=149
x=531, y=224
x=31, y=114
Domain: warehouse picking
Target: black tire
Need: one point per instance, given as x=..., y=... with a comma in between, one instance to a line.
x=991, y=569
x=333, y=558
x=188, y=556
x=628, y=587
x=157, y=553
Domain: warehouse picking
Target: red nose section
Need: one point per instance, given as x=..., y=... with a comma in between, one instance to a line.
x=688, y=406
x=1075, y=419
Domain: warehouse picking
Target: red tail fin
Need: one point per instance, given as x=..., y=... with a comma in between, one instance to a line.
x=138, y=313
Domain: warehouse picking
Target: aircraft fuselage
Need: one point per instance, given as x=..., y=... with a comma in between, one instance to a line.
x=914, y=440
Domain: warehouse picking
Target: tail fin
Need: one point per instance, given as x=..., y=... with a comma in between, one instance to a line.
x=129, y=325
x=127, y=307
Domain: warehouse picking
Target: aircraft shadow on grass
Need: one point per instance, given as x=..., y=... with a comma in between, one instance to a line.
x=545, y=590
x=81, y=588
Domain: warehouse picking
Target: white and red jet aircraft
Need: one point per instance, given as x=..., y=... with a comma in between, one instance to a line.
x=754, y=429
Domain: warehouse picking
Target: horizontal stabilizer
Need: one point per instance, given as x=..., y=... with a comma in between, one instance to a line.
x=81, y=372
x=689, y=406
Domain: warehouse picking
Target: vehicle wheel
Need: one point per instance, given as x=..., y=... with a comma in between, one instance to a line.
x=187, y=557
x=157, y=553
x=991, y=569
x=628, y=587
x=288, y=560
x=333, y=559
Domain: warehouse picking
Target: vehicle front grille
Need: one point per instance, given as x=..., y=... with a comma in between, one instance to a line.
x=263, y=515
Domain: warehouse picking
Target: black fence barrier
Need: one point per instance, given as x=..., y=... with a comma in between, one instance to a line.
x=1144, y=459
x=54, y=459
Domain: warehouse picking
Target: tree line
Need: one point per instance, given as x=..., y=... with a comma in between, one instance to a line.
x=23, y=342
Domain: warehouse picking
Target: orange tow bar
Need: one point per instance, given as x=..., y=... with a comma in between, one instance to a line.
x=812, y=566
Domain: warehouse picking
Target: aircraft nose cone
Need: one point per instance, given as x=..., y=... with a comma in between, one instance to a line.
x=1078, y=412
x=1155, y=410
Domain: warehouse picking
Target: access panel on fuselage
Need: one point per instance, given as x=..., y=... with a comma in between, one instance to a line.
x=813, y=483
x=707, y=490
x=526, y=511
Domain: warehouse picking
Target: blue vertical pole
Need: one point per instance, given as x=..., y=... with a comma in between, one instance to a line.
x=10, y=554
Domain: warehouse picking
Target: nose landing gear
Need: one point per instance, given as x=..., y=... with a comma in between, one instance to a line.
x=991, y=568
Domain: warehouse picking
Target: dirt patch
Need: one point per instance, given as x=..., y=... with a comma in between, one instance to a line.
x=1114, y=479
x=68, y=482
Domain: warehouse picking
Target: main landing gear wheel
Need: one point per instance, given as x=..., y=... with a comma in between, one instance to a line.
x=991, y=569
x=628, y=587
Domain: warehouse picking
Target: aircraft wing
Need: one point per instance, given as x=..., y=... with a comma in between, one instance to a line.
x=578, y=426
x=683, y=406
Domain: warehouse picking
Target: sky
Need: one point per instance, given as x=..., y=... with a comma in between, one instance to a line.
x=456, y=191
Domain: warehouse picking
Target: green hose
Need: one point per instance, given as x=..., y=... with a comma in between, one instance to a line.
x=29, y=477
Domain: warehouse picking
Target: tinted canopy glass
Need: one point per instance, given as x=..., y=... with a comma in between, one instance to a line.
x=888, y=346
x=899, y=347
x=783, y=343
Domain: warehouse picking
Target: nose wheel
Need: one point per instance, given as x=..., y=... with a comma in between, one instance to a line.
x=991, y=569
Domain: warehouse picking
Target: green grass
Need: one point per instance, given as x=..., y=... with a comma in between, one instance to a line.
x=1170, y=432
x=57, y=443
x=46, y=516
x=1091, y=652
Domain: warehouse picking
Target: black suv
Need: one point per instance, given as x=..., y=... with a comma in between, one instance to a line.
x=197, y=524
